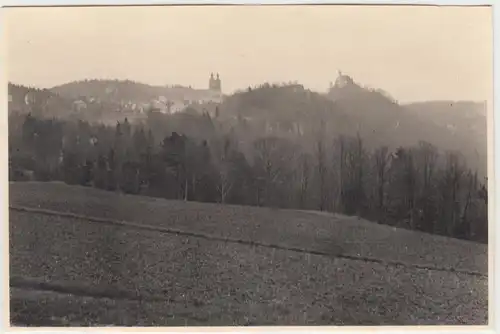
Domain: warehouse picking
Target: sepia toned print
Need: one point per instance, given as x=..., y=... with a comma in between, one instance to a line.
x=248, y=165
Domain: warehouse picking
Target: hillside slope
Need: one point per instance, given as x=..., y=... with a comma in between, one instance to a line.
x=448, y=125
x=205, y=264
x=349, y=109
x=334, y=234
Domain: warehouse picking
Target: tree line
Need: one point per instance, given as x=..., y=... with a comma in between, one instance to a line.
x=416, y=187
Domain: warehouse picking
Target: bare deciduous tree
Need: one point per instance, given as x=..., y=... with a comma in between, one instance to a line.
x=304, y=176
x=382, y=159
x=271, y=155
x=321, y=168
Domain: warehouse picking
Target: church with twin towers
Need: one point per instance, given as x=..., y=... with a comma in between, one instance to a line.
x=214, y=84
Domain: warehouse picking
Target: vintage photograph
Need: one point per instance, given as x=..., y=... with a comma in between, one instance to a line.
x=248, y=165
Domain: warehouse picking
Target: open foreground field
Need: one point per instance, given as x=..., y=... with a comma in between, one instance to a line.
x=80, y=256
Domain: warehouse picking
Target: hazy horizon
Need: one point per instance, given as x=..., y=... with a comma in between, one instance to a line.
x=386, y=47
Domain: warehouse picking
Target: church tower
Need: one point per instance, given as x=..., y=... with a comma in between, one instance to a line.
x=211, y=82
x=218, y=84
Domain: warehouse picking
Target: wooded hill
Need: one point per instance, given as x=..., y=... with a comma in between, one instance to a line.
x=378, y=118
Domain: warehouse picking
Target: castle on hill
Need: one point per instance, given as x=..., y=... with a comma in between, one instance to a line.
x=342, y=81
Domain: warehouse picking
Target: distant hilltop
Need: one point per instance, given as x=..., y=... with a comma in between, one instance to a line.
x=346, y=108
x=141, y=97
x=108, y=100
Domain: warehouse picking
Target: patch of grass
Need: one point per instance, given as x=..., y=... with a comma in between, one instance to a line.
x=293, y=229
x=215, y=283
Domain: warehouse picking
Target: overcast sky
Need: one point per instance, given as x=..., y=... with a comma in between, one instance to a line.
x=415, y=53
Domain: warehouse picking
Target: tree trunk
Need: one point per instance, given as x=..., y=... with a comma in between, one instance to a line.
x=193, y=186
x=466, y=227
x=341, y=177
x=223, y=194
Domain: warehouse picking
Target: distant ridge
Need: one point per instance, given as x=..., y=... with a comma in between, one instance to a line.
x=118, y=90
x=347, y=108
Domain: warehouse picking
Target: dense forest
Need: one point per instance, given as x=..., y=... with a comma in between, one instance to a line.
x=200, y=157
x=345, y=110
